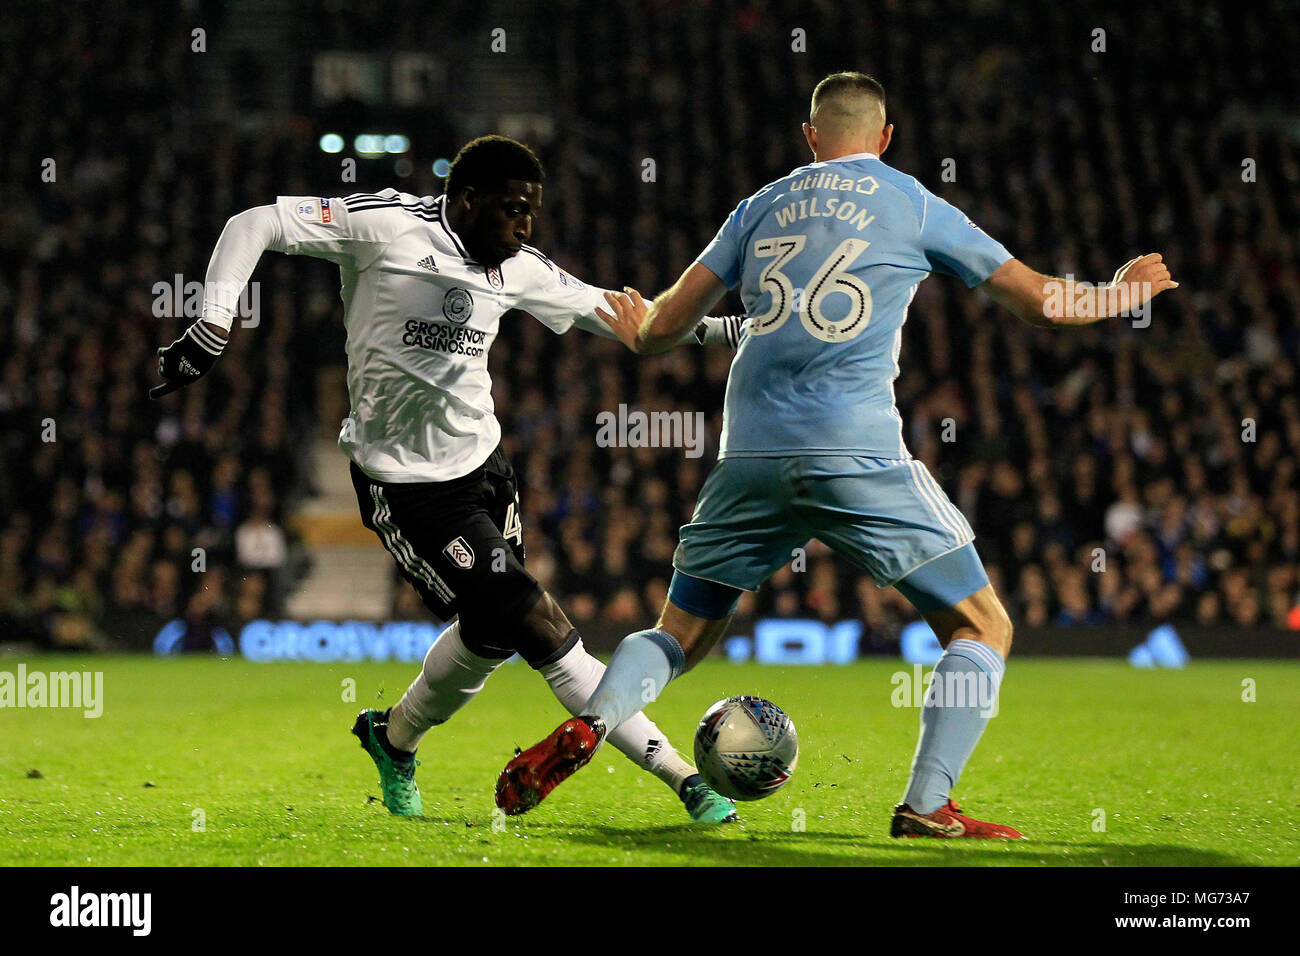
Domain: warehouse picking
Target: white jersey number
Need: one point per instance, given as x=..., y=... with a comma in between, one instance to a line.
x=514, y=529
x=832, y=277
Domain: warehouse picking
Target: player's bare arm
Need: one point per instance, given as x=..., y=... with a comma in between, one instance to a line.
x=1037, y=299
x=710, y=330
x=657, y=327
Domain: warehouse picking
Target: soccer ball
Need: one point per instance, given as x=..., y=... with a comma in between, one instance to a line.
x=746, y=747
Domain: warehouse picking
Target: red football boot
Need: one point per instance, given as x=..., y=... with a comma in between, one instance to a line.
x=535, y=772
x=948, y=822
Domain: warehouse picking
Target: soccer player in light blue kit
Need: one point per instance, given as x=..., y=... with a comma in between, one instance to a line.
x=827, y=260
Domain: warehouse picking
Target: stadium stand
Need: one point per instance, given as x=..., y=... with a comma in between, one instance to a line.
x=1168, y=452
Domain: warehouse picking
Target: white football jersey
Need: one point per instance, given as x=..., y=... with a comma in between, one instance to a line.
x=421, y=316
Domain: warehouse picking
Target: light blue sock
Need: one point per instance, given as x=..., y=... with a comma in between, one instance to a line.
x=641, y=668
x=962, y=699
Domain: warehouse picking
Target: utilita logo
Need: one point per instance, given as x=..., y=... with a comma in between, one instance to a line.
x=75, y=909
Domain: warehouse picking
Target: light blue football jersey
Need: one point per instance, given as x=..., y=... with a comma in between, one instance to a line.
x=827, y=260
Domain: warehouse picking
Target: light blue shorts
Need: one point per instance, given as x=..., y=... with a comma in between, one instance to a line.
x=888, y=517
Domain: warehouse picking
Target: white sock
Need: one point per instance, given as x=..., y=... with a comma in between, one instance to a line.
x=451, y=676
x=574, y=677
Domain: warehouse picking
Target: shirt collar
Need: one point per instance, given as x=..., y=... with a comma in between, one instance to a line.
x=446, y=227
x=851, y=157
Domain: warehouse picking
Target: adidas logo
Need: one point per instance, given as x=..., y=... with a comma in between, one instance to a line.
x=428, y=263
x=187, y=368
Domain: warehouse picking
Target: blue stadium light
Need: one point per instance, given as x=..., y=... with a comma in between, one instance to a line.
x=331, y=143
x=396, y=144
x=441, y=167
x=369, y=144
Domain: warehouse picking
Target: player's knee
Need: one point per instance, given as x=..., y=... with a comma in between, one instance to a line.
x=535, y=627
x=516, y=616
x=696, y=614
x=997, y=629
x=545, y=629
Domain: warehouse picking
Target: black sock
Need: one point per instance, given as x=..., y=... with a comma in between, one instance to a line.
x=689, y=782
x=381, y=731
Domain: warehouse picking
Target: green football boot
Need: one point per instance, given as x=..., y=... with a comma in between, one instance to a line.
x=396, y=776
x=704, y=804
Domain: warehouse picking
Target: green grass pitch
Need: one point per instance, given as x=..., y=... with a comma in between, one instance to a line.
x=206, y=762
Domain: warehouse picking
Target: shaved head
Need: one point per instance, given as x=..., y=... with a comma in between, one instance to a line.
x=847, y=116
x=848, y=105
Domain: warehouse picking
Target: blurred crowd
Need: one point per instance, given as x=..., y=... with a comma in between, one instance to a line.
x=118, y=514
x=1112, y=473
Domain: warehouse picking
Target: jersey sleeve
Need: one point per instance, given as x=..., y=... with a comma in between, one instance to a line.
x=326, y=228
x=722, y=256
x=955, y=246
x=552, y=296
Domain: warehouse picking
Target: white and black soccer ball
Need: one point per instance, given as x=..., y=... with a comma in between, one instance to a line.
x=746, y=747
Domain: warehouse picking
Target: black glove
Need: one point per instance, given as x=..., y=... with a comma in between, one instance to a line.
x=187, y=359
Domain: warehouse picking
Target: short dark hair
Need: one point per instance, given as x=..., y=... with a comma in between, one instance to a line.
x=848, y=81
x=489, y=161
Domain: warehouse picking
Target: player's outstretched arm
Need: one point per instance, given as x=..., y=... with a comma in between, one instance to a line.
x=712, y=329
x=1047, y=301
x=648, y=329
x=246, y=236
x=561, y=301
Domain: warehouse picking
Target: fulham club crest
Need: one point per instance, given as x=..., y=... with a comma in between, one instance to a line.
x=494, y=277
x=460, y=553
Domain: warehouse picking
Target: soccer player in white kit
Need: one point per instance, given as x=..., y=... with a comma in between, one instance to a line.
x=425, y=282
